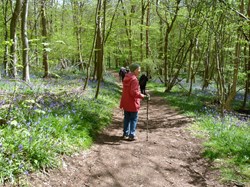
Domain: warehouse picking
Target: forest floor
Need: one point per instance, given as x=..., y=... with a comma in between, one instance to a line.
x=169, y=157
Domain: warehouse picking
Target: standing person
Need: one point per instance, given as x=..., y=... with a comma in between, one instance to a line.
x=143, y=82
x=130, y=101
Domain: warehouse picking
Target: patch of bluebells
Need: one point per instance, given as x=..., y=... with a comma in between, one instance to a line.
x=230, y=119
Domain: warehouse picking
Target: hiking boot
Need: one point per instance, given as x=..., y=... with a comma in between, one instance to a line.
x=125, y=137
x=132, y=138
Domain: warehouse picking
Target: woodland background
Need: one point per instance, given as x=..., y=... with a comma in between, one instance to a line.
x=174, y=39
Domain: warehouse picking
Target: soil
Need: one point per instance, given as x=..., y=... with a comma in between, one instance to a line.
x=166, y=154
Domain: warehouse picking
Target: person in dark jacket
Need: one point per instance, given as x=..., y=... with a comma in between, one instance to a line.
x=130, y=101
x=143, y=82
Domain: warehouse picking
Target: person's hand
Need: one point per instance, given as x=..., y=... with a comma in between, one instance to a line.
x=147, y=96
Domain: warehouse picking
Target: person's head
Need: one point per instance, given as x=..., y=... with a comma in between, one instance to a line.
x=135, y=69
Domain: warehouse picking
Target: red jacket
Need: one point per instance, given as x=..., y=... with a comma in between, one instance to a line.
x=131, y=95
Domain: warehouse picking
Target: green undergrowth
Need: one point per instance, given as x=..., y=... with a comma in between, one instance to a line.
x=54, y=118
x=226, y=140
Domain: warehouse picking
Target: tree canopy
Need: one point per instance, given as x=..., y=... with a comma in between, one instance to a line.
x=173, y=40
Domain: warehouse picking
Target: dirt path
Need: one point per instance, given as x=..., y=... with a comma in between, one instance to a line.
x=170, y=157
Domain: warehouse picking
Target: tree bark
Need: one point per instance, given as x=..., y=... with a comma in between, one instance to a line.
x=99, y=45
x=26, y=75
x=128, y=24
x=6, y=46
x=232, y=91
x=247, y=65
x=141, y=28
x=44, y=35
x=77, y=7
x=13, y=38
x=148, y=52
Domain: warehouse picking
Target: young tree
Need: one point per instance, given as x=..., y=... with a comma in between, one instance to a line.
x=236, y=63
x=5, y=5
x=247, y=63
x=100, y=22
x=77, y=7
x=128, y=27
x=26, y=75
x=44, y=35
x=169, y=21
x=13, y=38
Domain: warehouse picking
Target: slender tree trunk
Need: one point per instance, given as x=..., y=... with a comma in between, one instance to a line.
x=246, y=83
x=26, y=75
x=77, y=7
x=166, y=71
x=148, y=53
x=147, y=29
x=141, y=28
x=220, y=79
x=181, y=59
x=128, y=24
x=99, y=44
x=247, y=65
x=92, y=51
x=206, y=78
x=44, y=35
x=6, y=46
x=130, y=34
x=189, y=73
x=36, y=31
x=169, y=26
x=13, y=37
x=232, y=91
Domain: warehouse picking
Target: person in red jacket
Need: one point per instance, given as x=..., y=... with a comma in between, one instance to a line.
x=130, y=101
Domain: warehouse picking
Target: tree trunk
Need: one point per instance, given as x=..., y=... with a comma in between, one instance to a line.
x=141, y=28
x=232, y=91
x=44, y=35
x=91, y=53
x=128, y=24
x=148, y=53
x=206, y=78
x=169, y=26
x=13, y=37
x=220, y=79
x=6, y=46
x=247, y=66
x=36, y=32
x=246, y=60
x=26, y=75
x=99, y=46
x=77, y=11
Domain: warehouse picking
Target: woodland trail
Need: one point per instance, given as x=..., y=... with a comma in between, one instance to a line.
x=170, y=158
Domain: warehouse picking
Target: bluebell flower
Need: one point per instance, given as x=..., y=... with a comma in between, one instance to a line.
x=20, y=147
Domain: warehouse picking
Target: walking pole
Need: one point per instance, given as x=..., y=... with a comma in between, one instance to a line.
x=148, y=98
